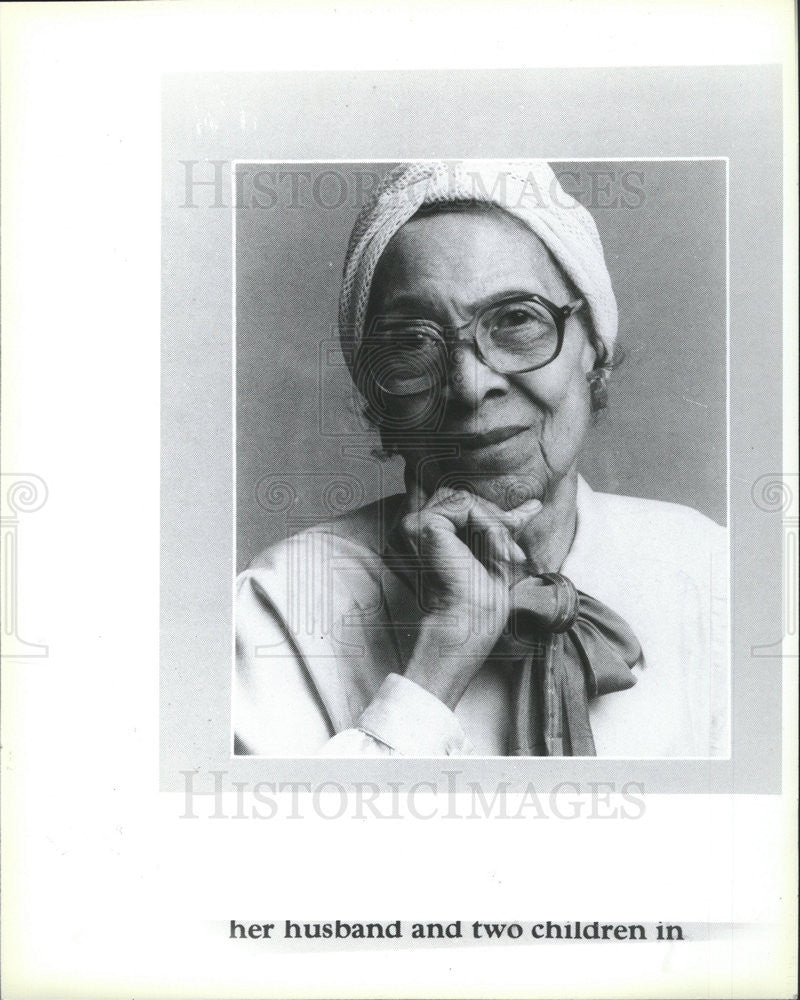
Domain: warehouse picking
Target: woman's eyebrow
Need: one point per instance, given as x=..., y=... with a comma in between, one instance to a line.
x=410, y=303
x=502, y=296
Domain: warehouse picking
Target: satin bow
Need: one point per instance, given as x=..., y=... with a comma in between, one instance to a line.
x=567, y=648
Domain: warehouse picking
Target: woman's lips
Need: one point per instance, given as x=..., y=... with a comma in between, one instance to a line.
x=481, y=440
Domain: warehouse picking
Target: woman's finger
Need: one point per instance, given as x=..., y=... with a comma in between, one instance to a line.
x=484, y=526
x=459, y=505
x=419, y=529
x=516, y=518
x=487, y=530
x=490, y=541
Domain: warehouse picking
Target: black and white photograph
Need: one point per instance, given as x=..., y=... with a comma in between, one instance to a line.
x=399, y=500
x=508, y=597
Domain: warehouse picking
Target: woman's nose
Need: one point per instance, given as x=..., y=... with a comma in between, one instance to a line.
x=469, y=379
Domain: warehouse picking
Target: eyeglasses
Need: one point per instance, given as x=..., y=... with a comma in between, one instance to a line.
x=406, y=356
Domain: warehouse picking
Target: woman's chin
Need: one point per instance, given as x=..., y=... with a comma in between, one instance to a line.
x=507, y=477
x=511, y=490
x=507, y=490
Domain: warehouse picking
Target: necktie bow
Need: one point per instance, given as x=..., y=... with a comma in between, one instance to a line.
x=567, y=648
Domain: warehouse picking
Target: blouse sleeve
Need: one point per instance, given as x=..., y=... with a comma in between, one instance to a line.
x=278, y=710
x=402, y=720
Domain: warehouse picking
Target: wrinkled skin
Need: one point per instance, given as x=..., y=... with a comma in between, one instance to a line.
x=437, y=267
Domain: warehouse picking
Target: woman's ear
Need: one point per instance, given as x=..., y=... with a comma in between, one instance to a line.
x=594, y=363
x=598, y=388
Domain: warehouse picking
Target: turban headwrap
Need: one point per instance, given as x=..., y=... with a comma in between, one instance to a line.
x=527, y=190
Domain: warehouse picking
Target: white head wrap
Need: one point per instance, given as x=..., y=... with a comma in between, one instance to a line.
x=527, y=190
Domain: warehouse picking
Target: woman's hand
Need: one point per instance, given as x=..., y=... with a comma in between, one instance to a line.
x=469, y=561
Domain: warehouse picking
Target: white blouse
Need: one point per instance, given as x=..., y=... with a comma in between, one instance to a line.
x=325, y=628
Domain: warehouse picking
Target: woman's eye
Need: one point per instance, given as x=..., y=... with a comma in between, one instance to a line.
x=514, y=317
x=408, y=333
x=422, y=332
x=417, y=338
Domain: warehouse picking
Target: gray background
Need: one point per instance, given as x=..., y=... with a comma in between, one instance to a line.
x=587, y=113
x=664, y=435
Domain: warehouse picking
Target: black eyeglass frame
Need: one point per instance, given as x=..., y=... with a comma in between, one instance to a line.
x=560, y=316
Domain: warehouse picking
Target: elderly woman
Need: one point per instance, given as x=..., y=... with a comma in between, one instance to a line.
x=499, y=606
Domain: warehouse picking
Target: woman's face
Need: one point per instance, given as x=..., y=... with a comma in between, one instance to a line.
x=505, y=437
